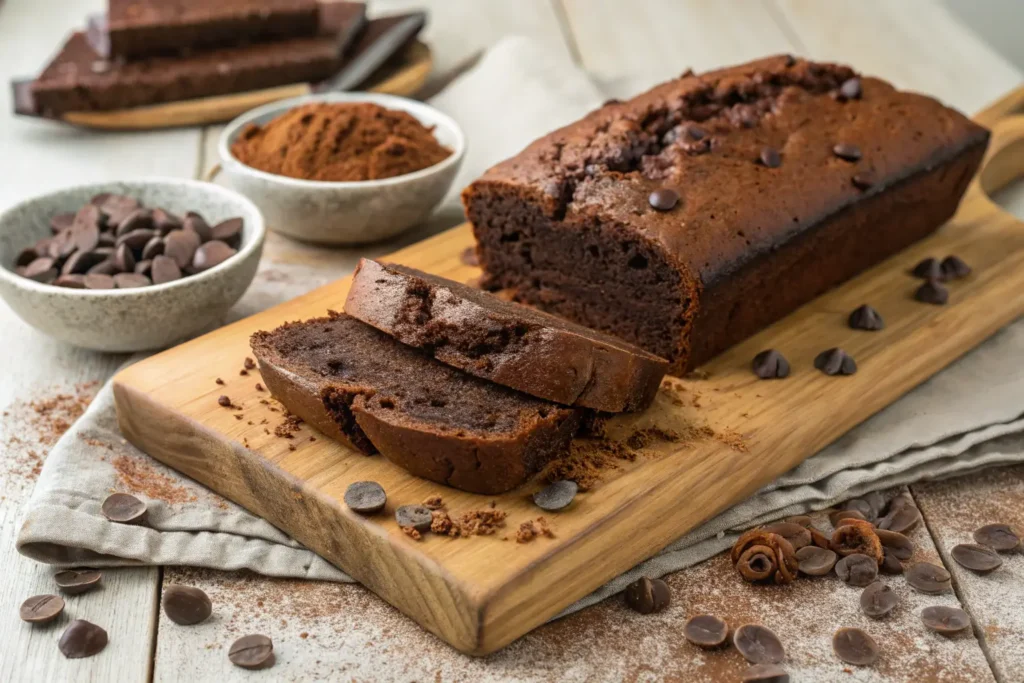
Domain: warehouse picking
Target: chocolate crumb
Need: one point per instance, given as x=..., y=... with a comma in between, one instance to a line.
x=259, y=387
x=411, y=532
x=224, y=401
x=243, y=373
x=249, y=363
x=219, y=381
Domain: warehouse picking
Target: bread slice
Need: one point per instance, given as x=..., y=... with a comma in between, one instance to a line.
x=504, y=342
x=372, y=393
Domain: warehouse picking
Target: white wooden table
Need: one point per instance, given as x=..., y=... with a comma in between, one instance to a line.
x=327, y=632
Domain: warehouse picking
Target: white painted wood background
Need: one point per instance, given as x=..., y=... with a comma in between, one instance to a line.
x=626, y=46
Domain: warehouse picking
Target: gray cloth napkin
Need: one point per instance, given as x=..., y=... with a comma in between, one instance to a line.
x=969, y=417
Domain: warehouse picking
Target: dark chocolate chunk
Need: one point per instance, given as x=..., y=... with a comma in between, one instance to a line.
x=663, y=199
x=164, y=270
x=901, y=547
x=901, y=520
x=41, y=270
x=224, y=401
x=26, y=256
x=758, y=645
x=415, y=517
x=197, y=224
x=95, y=280
x=976, y=557
x=765, y=673
x=186, y=605
x=144, y=267
x=82, y=639
x=124, y=259
x=181, y=246
x=556, y=495
x=847, y=152
x=890, y=563
x=929, y=578
x=116, y=207
x=835, y=361
x=136, y=239
x=153, y=248
x=124, y=508
x=140, y=219
x=165, y=221
x=770, y=157
x=706, y=630
x=857, y=570
x=928, y=269
x=864, y=180
x=229, y=232
x=931, y=292
x=878, y=599
x=41, y=609
x=998, y=537
x=211, y=254
x=131, y=280
x=81, y=261
x=770, y=364
x=815, y=561
x=854, y=646
x=850, y=89
x=866, y=318
x=954, y=268
x=365, y=497
x=252, y=652
x=74, y=582
x=945, y=620
x=105, y=267
x=647, y=596
x=73, y=281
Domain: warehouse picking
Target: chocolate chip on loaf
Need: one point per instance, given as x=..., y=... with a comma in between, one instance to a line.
x=663, y=199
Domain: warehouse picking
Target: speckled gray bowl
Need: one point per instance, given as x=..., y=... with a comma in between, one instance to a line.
x=130, y=319
x=345, y=212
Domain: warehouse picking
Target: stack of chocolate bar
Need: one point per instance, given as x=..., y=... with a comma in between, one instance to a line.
x=145, y=52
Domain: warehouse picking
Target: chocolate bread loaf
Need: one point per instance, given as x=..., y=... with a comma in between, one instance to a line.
x=367, y=390
x=695, y=214
x=504, y=342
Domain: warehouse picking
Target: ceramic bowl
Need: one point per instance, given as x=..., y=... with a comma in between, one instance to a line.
x=342, y=213
x=136, y=319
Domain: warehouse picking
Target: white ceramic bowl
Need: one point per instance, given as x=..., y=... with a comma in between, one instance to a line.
x=345, y=212
x=130, y=319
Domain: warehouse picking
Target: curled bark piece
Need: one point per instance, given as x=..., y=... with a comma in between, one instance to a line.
x=856, y=536
x=757, y=563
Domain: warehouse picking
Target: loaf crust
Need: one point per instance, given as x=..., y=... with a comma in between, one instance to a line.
x=504, y=342
x=567, y=224
x=374, y=394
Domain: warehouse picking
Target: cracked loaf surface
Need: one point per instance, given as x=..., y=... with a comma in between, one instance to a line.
x=502, y=341
x=363, y=388
x=770, y=212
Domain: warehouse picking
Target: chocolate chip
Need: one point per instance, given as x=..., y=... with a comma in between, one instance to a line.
x=835, y=361
x=765, y=673
x=82, y=639
x=997, y=536
x=252, y=652
x=954, y=268
x=931, y=292
x=186, y=605
x=706, y=630
x=878, y=599
x=106, y=240
x=41, y=270
x=140, y=219
x=73, y=281
x=153, y=248
x=890, y=563
x=977, y=558
x=26, y=256
x=850, y=89
x=164, y=221
x=131, y=280
x=124, y=508
x=802, y=520
x=61, y=221
x=136, y=239
x=647, y=596
x=75, y=582
x=928, y=269
x=758, y=645
x=815, y=561
x=365, y=497
x=95, y=280
x=864, y=180
x=116, y=207
x=41, y=609
x=875, y=501
x=85, y=228
x=901, y=547
x=224, y=401
x=556, y=496
x=230, y=232
x=854, y=646
x=857, y=570
x=839, y=515
x=105, y=267
x=865, y=317
x=901, y=520
x=945, y=620
x=124, y=259
x=929, y=578
x=847, y=152
x=416, y=517
x=62, y=245
x=797, y=535
x=249, y=363
x=81, y=261
x=663, y=199
x=211, y=254
x=770, y=157
x=181, y=246
x=164, y=270
x=144, y=267
x=197, y=224
x=770, y=364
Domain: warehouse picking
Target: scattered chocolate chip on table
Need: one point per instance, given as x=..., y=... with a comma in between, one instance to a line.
x=758, y=645
x=932, y=292
x=815, y=561
x=706, y=630
x=648, y=596
x=770, y=364
x=835, y=361
x=82, y=639
x=41, y=609
x=999, y=537
x=854, y=646
x=556, y=496
x=254, y=651
x=901, y=547
x=75, y=582
x=186, y=605
x=976, y=557
x=765, y=673
x=929, y=578
x=415, y=517
x=857, y=570
x=946, y=620
x=954, y=268
x=878, y=600
x=928, y=269
x=865, y=317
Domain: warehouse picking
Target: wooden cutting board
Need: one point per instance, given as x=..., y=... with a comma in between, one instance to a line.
x=481, y=593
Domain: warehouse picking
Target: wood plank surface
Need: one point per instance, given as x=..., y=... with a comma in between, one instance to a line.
x=474, y=595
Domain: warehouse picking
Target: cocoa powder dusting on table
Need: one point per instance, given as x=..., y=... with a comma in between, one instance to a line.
x=342, y=141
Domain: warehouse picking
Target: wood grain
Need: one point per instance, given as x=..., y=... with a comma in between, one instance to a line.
x=402, y=78
x=479, y=595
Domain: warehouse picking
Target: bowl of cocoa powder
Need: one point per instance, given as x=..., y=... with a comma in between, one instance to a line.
x=343, y=168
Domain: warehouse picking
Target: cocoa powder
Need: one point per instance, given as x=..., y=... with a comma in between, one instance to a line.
x=343, y=141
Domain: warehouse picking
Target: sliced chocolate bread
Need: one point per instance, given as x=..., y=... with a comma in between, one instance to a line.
x=504, y=342
x=367, y=390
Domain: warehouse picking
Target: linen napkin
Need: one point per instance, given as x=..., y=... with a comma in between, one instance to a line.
x=518, y=91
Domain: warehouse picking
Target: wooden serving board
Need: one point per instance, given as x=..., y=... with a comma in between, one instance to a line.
x=403, y=75
x=481, y=593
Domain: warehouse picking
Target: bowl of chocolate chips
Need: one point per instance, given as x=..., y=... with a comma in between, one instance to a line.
x=129, y=266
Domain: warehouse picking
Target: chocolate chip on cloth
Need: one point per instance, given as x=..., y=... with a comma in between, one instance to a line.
x=855, y=536
x=835, y=361
x=770, y=364
x=648, y=596
x=124, y=508
x=759, y=555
